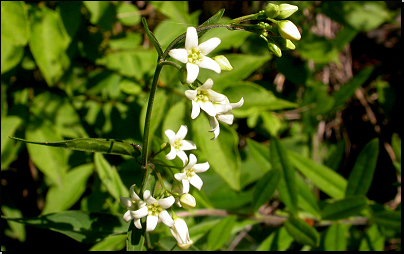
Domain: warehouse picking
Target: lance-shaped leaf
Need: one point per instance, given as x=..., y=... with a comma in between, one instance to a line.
x=214, y=19
x=94, y=145
x=266, y=187
x=361, y=177
x=152, y=38
x=388, y=219
x=335, y=237
x=86, y=227
x=220, y=233
x=135, y=237
x=287, y=185
x=302, y=232
x=345, y=208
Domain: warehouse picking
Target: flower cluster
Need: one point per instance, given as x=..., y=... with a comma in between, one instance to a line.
x=218, y=108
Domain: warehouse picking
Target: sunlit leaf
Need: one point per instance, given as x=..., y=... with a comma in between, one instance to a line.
x=266, y=187
x=220, y=233
x=302, y=232
x=344, y=208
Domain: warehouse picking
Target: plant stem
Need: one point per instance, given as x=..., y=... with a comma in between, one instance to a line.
x=148, y=115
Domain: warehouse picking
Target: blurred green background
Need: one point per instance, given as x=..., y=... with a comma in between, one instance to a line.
x=84, y=69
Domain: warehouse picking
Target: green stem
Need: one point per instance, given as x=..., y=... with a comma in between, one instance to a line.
x=148, y=115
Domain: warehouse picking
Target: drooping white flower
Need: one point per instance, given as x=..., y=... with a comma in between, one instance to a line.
x=223, y=113
x=180, y=232
x=131, y=203
x=194, y=55
x=202, y=98
x=178, y=144
x=189, y=176
x=153, y=209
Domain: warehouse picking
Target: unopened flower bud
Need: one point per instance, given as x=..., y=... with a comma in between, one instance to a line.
x=286, y=10
x=223, y=63
x=187, y=201
x=284, y=44
x=274, y=49
x=272, y=11
x=288, y=30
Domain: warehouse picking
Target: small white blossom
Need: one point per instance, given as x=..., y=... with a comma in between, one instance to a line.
x=178, y=145
x=288, y=30
x=153, y=209
x=194, y=55
x=131, y=203
x=223, y=114
x=189, y=176
x=202, y=98
x=180, y=232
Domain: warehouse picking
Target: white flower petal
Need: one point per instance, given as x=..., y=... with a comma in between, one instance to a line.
x=126, y=201
x=170, y=135
x=188, y=145
x=147, y=197
x=238, y=104
x=183, y=157
x=214, y=124
x=195, y=110
x=142, y=212
x=185, y=186
x=209, y=45
x=128, y=216
x=192, y=72
x=171, y=155
x=222, y=108
x=133, y=193
x=179, y=54
x=215, y=96
x=138, y=224
x=196, y=181
x=192, y=162
x=166, y=218
x=201, y=167
x=151, y=222
x=180, y=176
x=216, y=132
x=191, y=94
x=191, y=40
x=209, y=63
x=182, y=132
x=226, y=118
x=208, y=108
x=207, y=85
x=166, y=202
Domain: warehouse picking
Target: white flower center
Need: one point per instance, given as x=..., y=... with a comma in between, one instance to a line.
x=154, y=209
x=189, y=173
x=194, y=56
x=202, y=96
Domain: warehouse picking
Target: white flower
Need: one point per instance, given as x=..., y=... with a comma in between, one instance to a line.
x=178, y=145
x=223, y=114
x=189, y=176
x=202, y=98
x=194, y=55
x=153, y=209
x=180, y=232
x=131, y=203
x=288, y=30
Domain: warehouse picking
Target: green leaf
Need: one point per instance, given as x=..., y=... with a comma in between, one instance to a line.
x=287, y=185
x=175, y=10
x=271, y=122
x=110, y=243
x=135, y=238
x=75, y=183
x=128, y=14
x=52, y=162
x=372, y=240
x=9, y=148
x=279, y=240
x=361, y=176
x=175, y=117
x=94, y=145
x=212, y=20
x=396, y=145
x=260, y=154
x=110, y=177
x=388, y=219
x=306, y=199
x=86, y=227
x=8, y=209
x=302, y=232
x=97, y=10
x=344, y=208
x=48, y=43
x=222, y=153
x=152, y=38
x=266, y=187
x=348, y=89
x=323, y=177
x=335, y=238
x=220, y=233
